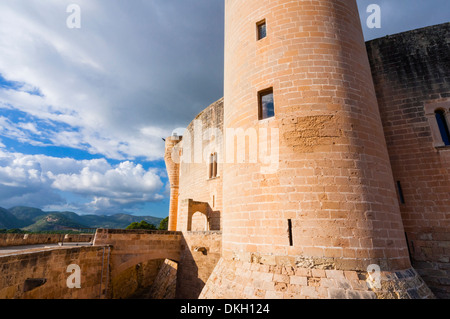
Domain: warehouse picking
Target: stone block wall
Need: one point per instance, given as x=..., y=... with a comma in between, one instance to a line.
x=36, y=239
x=136, y=257
x=165, y=284
x=411, y=73
x=200, y=253
x=203, y=137
x=19, y=271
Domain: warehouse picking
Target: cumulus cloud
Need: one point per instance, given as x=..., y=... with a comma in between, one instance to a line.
x=124, y=183
x=38, y=179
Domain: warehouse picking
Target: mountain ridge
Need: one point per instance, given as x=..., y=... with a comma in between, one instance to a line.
x=34, y=219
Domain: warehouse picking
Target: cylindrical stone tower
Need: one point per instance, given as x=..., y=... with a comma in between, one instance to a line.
x=311, y=227
x=173, y=171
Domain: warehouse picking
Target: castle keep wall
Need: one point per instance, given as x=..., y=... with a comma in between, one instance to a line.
x=334, y=180
x=331, y=203
x=411, y=72
x=200, y=197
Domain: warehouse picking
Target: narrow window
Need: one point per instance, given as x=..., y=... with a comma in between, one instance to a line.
x=213, y=165
x=261, y=29
x=400, y=192
x=291, y=243
x=266, y=105
x=443, y=126
x=210, y=166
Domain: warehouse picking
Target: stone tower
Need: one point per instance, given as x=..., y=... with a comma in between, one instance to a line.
x=173, y=172
x=312, y=227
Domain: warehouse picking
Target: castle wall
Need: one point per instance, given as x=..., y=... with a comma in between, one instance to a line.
x=411, y=72
x=136, y=258
x=203, y=137
x=165, y=284
x=37, y=239
x=334, y=180
x=51, y=265
x=330, y=203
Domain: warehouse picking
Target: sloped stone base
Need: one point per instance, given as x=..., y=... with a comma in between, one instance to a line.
x=244, y=280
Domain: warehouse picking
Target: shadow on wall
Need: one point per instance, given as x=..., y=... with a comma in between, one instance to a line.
x=159, y=286
x=200, y=252
x=136, y=281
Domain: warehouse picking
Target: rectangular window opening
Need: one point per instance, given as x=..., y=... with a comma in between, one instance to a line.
x=261, y=29
x=266, y=104
x=400, y=193
x=212, y=170
x=443, y=126
x=214, y=165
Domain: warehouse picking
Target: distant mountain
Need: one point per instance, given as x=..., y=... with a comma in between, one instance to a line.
x=53, y=221
x=28, y=215
x=34, y=219
x=8, y=220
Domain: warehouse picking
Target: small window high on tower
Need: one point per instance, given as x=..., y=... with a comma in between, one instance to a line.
x=266, y=104
x=261, y=29
x=443, y=126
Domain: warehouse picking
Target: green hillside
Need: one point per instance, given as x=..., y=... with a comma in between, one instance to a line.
x=28, y=215
x=53, y=221
x=35, y=220
x=8, y=220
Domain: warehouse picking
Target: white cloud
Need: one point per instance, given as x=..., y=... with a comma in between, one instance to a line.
x=124, y=183
x=127, y=184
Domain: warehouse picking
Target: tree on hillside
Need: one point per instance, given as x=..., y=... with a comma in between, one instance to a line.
x=142, y=225
x=164, y=224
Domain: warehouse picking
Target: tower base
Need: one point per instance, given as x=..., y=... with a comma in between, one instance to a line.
x=245, y=280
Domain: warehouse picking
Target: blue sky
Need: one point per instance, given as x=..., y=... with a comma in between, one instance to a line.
x=83, y=111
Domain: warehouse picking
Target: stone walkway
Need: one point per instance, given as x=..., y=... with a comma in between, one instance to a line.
x=32, y=248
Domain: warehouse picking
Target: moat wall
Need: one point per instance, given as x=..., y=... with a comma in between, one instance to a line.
x=50, y=266
x=200, y=253
x=136, y=258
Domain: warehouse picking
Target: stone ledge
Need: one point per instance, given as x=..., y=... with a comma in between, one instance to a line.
x=136, y=231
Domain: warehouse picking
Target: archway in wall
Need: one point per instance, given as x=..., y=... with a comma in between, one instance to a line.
x=199, y=222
